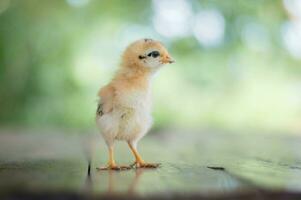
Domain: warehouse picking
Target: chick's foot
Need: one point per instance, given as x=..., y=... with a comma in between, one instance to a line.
x=114, y=167
x=145, y=165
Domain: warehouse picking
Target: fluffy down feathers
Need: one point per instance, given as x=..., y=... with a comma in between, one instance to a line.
x=124, y=110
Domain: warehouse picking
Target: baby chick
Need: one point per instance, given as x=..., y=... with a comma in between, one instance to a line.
x=124, y=108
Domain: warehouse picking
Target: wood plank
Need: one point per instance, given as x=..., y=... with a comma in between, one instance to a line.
x=206, y=164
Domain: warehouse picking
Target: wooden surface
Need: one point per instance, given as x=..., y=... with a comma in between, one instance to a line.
x=202, y=164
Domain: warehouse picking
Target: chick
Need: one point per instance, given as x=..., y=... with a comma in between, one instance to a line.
x=124, y=108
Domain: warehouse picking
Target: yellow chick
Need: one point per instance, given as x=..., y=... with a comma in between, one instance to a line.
x=124, y=108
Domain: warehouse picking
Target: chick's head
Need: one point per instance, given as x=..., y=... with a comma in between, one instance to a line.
x=146, y=53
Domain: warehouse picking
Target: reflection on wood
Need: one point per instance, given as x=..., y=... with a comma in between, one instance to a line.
x=201, y=164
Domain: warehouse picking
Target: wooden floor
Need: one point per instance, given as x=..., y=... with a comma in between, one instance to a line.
x=205, y=165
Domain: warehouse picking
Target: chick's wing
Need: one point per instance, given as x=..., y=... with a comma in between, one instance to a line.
x=106, y=95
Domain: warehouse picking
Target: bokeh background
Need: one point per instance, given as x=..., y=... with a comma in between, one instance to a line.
x=238, y=62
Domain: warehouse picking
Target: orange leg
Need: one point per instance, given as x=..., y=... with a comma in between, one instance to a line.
x=111, y=164
x=139, y=163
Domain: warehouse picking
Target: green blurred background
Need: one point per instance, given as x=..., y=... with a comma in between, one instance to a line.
x=238, y=62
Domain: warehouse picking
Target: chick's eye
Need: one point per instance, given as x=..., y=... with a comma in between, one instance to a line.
x=153, y=54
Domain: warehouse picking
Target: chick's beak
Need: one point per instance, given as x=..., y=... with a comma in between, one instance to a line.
x=167, y=59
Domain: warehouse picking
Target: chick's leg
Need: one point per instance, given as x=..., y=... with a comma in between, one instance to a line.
x=111, y=164
x=140, y=163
